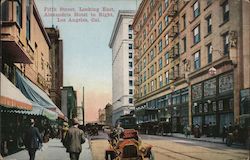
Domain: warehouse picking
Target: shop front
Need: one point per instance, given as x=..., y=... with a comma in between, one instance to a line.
x=212, y=104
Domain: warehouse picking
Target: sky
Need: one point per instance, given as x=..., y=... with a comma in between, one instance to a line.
x=85, y=28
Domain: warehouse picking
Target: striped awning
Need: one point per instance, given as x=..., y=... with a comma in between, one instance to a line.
x=11, y=96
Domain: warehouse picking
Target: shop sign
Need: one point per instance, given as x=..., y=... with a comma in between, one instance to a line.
x=226, y=83
x=197, y=91
x=210, y=87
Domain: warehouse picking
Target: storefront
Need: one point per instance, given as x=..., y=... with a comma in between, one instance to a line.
x=212, y=103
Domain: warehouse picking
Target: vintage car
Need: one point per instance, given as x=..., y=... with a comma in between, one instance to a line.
x=129, y=147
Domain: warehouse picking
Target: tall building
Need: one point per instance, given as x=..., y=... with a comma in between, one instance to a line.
x=121, y=43
x=193, y=60
x=69, y=102
x=56, y=65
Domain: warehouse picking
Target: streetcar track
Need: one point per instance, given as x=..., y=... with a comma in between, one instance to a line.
x=166, y=149
x=177, y=152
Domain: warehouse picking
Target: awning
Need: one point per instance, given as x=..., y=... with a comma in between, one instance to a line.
x=36, y=110
x=37, y=96
x=12, y=97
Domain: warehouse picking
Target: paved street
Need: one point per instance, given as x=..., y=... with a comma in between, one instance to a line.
x=174, y=147
x=179, y=148
x=53, y=150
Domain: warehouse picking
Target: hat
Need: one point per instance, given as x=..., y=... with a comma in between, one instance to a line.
x=75, y=121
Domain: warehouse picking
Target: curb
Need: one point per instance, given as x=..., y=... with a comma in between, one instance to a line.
x=198, y=139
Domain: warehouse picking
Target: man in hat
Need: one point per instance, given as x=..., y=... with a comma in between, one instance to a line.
x=73, y=140
x=32, y=139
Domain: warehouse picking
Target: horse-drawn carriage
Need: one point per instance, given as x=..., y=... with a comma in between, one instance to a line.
x=128, y=147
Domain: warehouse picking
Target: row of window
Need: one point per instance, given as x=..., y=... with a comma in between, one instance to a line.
x=175, y=28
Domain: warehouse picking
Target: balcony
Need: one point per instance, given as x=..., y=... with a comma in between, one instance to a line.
x=173, y=53
x=137, y=83
x=174, y=75
x=173, y=9
x=13, y=48
x=173, y=32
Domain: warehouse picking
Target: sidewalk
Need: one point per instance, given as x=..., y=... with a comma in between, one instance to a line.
x=53, y=150
x=202, y=138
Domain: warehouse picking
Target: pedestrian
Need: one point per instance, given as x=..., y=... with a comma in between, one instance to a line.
x=32, y=139
x=224, y=132
x=73, y=140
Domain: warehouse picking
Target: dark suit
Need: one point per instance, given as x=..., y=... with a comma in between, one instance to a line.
x=32, y=141
x=73, y=142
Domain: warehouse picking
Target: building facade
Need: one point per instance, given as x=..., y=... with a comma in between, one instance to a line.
x=69, y=102
x=101, y=116
x=109, y=113
x=56, y=61
x=24, y=66
x=121, y=43
x=191, y=61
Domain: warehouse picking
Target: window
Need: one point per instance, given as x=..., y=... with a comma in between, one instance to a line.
x=184, y=21
x=151, y=38
x=5, y=9
x=209, y=2
x=166, y=3
x=130, y=83
x=166, y=58
x=152, y=85
x=130, y=55
x=130, y=36
x=130, y=100
x=160, y=11
x=160, y=46
x=130, y=28
x=28, y=9
x=145, y=76
x=160, y=63
x=130, y=91
x=196, y=34
x=209, y=24
x=151, y=23
x=225, y=7
x=144, y=17
x=130, y=64
x=152, y=70
x=209, y=53
x=197, y=60
x=151, y=55
x=184, y=40
x=144, y=34
x=196, y=9
x=151, y=4
x=160, y=81
x=144, y=62
x=160, y=29
x=167, y=77
x=166, y=20
x=145, y=89
x=130, y=73
x=167, y=40
x=19, y=11
x=226, y=43
x=130, y=46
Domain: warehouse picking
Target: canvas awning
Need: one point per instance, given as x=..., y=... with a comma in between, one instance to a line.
x=37, y=96
x=12, y=97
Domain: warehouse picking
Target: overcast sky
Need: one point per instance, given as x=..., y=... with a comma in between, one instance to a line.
x=85, y=27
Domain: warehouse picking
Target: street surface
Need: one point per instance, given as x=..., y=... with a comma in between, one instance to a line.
x=164, y=148
x=171, y=148
x=53, y=150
